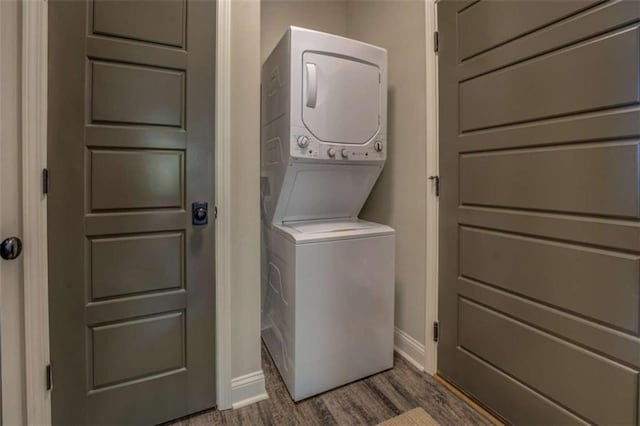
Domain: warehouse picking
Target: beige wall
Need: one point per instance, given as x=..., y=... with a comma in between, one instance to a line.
x=277, y=15
x=399, y=197
x=245, y=190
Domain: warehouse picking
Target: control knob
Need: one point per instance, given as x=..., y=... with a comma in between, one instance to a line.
x=377, y=146
x=302, y=141
x=344, y=152
x=331, y=152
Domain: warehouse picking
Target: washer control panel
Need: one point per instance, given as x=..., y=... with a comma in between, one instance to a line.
x=306, y=146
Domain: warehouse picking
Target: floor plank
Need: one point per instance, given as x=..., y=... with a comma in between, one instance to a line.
x=366, y=402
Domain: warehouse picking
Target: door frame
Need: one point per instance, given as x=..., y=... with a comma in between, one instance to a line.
x=34, y=160
x=223, y=204
x=34, y=209
x=432, y=161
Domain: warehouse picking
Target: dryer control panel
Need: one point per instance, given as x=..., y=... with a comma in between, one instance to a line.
x=306, y=146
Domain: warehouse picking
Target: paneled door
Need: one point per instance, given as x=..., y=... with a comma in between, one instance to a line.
x=131, y=142
x=540, y=197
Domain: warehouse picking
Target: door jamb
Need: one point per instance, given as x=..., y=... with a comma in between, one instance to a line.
x=34, y=209
x=431, y=291
x=223, y=203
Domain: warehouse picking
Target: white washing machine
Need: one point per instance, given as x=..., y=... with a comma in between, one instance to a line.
x=328, y=277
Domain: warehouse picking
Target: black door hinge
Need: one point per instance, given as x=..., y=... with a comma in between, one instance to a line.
x=436, y=331
x=49, y=377
x=436, y=181
x=436, y=42
x=45, y=181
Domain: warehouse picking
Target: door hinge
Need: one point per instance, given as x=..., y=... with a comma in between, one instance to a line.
x=45, y=181
x=49, y=377
x=436, y=331
x=436, y=181
x=436, y=42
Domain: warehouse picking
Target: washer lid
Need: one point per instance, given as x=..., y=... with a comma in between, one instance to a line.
x=339, y=229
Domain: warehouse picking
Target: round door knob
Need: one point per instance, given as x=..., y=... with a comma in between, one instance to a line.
x=344, y=153
x=10, y=248
x=302, y=141
x=331, y=152
x=377, y=146
x=200, y=213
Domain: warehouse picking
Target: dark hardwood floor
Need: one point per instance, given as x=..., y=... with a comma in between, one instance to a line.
x=366, y=402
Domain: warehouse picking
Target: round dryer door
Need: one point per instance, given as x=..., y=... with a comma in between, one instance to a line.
x=341, y=98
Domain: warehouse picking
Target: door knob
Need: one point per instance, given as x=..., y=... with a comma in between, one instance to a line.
x=10, y=248
x=199, y=213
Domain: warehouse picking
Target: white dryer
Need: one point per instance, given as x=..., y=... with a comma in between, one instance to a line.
x=328, y=277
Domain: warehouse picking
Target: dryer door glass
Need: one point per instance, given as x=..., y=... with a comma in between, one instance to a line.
x=340, y=98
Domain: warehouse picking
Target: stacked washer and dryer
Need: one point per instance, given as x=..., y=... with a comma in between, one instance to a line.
x=328, y=290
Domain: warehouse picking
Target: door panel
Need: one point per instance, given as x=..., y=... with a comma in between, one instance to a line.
x=129, y=19
x=337, y=93
x=131, y=350
x=502, y=17
x=130, y=148
x=553, y=273
x=522, y=404
x=140, y=179
x=540, y=221
x=612, y=60
x=136, y=95
x=129, y=265
x=612, y=387
x=511, y=179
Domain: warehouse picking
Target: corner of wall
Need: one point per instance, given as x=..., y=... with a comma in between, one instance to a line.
x=409, y=348
x=248, y=389
x=239, y=375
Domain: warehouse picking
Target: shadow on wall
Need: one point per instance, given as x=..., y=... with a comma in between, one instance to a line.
x=383, y=210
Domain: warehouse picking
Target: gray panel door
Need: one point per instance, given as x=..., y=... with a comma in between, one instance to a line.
x=131, y=96
x=540, y=208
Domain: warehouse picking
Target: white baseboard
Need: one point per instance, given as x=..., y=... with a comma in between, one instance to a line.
x=409, y=348
x=247, y=389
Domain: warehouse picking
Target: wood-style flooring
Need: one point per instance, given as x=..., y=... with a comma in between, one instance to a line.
x=366, y=402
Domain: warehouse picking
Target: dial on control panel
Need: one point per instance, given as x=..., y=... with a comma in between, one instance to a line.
x=377, y=146
x=331, y=152
x=344, y=152
x=302, y=141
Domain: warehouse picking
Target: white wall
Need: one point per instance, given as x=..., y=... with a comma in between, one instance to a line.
x=399, y=197
x=245, y=190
